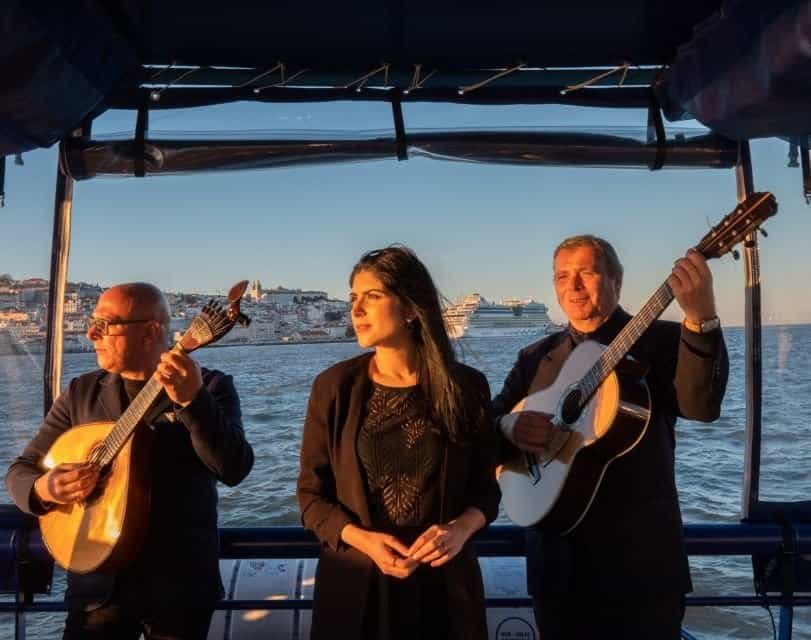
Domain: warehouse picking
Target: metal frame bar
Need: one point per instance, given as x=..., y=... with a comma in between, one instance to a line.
x=508, y=540
x=753, y=348
x=606, y=97
x=60, y=250
x=402, y=76
x=806, y=168
x=2, y=181
x=507, y=603
x=752, y=507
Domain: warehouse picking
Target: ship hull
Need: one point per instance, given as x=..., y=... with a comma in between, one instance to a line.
x=499, y=332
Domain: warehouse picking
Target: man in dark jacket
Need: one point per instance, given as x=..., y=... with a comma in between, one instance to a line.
x=171, y=587
x=622, y=571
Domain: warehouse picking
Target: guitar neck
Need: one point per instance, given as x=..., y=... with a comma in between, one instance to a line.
x=126, y=424
x=626, y=339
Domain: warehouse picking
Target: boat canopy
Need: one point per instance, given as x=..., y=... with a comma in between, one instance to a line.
x=740, y=67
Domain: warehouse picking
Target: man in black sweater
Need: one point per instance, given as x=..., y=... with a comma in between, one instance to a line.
x=170, y=589
x=622, y=572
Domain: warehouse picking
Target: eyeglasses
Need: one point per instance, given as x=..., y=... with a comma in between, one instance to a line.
x=101, y=326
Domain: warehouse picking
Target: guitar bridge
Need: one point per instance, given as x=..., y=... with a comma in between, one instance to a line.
x=557, y=443
x=533, y=469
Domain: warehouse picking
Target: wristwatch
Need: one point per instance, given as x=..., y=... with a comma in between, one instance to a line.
x=705, y=326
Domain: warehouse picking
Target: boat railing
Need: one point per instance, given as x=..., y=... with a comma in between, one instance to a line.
x=26, y=568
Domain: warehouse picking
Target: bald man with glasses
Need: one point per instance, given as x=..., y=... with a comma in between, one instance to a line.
x=171, y=588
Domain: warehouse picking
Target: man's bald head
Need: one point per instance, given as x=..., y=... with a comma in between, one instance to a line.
x=140, y=301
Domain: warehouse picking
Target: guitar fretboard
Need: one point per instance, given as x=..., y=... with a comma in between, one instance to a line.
x=126, y=424
x=626, y=339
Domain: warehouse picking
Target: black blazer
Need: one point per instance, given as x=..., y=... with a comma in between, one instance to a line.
x=331, y=494
x=193, y=448
x=631, y=539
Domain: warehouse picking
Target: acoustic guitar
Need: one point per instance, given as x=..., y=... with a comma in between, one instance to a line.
x=600, y=404
x=104, y=532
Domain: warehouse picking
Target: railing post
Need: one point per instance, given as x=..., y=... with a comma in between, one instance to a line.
x=786, y=621
x=19, y=616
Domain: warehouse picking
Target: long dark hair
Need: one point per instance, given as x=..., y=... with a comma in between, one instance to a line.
x=404, y=275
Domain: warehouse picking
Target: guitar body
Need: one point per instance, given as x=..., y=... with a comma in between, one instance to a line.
x=105, y=532
x=611, y=424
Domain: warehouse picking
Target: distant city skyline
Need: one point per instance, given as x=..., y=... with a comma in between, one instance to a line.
x=480, y=228
x=44, y=280
x=218, y=292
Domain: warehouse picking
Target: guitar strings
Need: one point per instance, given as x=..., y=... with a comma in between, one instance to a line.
x=624, y=341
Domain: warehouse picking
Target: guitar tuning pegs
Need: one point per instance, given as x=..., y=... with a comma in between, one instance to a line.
x=736, y=254
x=763, y=232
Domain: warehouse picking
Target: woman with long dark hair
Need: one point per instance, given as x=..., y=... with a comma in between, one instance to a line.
x=397, y=468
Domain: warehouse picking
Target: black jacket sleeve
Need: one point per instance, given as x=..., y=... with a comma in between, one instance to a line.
x=482, y=490
x=701, y=375
x=316, y=489
x=214, y=421
x=515, y=386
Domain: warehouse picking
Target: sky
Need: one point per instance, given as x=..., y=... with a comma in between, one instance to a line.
x=478, y=227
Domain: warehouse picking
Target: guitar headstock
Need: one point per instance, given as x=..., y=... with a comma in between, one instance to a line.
x=735, y=226
x=215, y=320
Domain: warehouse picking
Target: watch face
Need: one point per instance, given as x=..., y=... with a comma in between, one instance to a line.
x=710, y=325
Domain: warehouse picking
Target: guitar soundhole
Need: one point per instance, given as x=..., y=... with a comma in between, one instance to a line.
x=571, y=409
x=97, y=454
x=100, y=487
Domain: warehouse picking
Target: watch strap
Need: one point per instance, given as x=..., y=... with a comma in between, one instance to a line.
x=705, y=326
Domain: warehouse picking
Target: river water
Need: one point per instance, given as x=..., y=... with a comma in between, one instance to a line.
x=274, y=383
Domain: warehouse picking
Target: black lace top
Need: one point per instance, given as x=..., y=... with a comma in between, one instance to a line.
x=400, y=452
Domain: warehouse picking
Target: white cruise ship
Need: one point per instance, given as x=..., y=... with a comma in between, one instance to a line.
x=474, y=317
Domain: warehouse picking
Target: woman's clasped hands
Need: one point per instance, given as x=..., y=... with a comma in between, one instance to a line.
x=386, y=551
x=436, y=546
x=440, y=543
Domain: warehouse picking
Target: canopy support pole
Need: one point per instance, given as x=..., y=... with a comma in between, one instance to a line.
x=752, y=355
x=399, y=124
x=2, y=181
x=60, y=249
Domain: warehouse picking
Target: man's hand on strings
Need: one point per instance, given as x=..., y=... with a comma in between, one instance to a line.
x=691, y=283
x=530, y=431
x=180, y=376
x=67, y=482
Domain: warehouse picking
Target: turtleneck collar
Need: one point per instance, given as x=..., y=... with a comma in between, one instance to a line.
x=606, y=332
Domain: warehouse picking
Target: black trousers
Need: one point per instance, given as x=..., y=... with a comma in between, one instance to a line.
x=593, y=617
x=410, y=609
x=115, y=621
